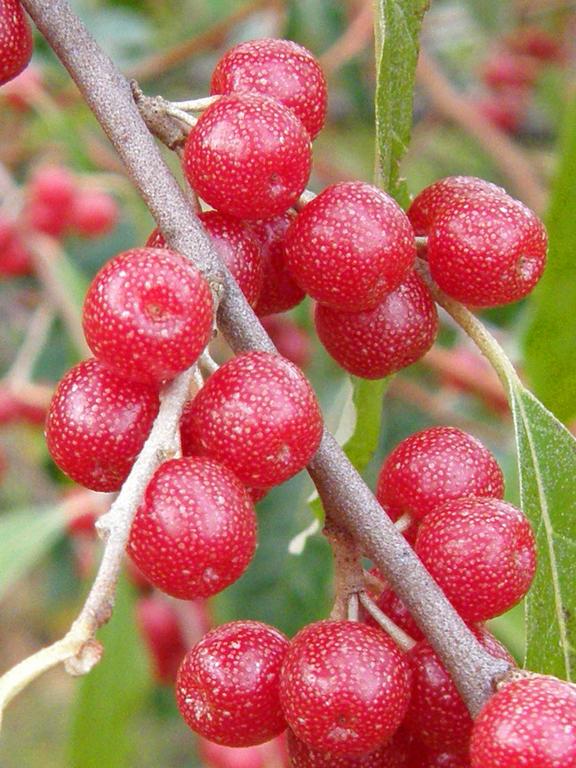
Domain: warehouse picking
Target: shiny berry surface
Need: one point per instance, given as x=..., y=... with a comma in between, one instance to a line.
x=97, y=424
x=14, y=256
x=227, y=686
x=148, y=314
x=345, y=687
x=258, y=415
x=160, y=628
x=93, y=213
x=279, y=291
x=433, y=466
x=194, y=533
x=350, y=246
x=281, y=69
x=380, y=341
x=15, y=40
x=487, y=251
x=392, y=754
x=529, y=723
x=481, y=552
x=248, y=156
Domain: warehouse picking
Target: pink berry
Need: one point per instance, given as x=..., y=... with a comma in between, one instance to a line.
x=15, y=40
x=160, y=628
x=380, y=341
x=228, y=684
x=281, y=69
x=487, y=251
x=445, y=193
x=51, y=195
x=258, y=756
x=97, y=424
x=279, y=291
x=345, y=687
x=248, y=156
x=506, y=69
x=148, y=314
x=194, y=533
x=392, y=754
x=24, y=90
x=14, y=256
x=258, y=415
x=433, y=466
x=94, y=213
x=291, y=341
x=529, y=723
x=437, y=715
x=481, y=552
x=350, y=246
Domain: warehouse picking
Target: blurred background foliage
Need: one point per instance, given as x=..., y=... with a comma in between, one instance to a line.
x=119, y=716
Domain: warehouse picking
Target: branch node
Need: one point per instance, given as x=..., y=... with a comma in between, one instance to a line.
x=86, y=659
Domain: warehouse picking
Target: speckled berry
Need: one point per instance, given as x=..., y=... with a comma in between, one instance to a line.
x=148, y=314
x=14, y=256
x=529, y=723
x=424, y=759
x=390, y=604
x=437, y=715
x=195, y=532
x=258, y=415
x=15, y=40
x=487, y=251
x=433, y=466
x=248, y=156
x=392, y=754
x=160, y=628
x=97, y=424
x=481, y=552
x=94, y=213
x=445, y=193
x=279, y=291
x=281, y=69
x=345, y=687
x=228, y=684
x=350, y=246
x=380, y=341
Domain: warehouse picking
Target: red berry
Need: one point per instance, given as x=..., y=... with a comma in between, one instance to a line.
x=227, y=687
x=529, y=723
x=445, y=193
x=52, y=194
x=390, y=604
x=538, y=43
x=350, y=246
x=248, y=156
x=258, y=756
x=487, y=251
x=481, y=552
x=380, y=341
x=392, y=754
x=433, y=466
x=291, y=341
x=94, y=213
x=194, y=533
x=345, y=687
x=14, y=409
x=281, y=69
x=505, y=69
x=279, y=291
x=14, y=256
x=15, y=40
x=148, y=314
x=97, y=424
x=161, y=631
x=258, y=415
x=505, y=109
x=437, y=715
x=423, y=759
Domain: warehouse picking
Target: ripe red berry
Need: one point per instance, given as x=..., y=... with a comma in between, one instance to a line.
x=506, y=69
x=258, y=415
x=291, y=341
x=15, y=40
x=227, y=686
x=437, y=715
x=258, y=756
x=94, y=213
x=345, y=687
x=97, y=424
x=160, y=628
x=433, y=466
x=279, y=291
x=537, y=43
x=392, y=754
x=423, y=759
x=51, y=195
x=248, y=156
x=281, y=69
x=350, y=246
x=390, y=604
x=445, y=193
x=194, y=533
x=529, y=723
x=380, y=341
x=487, y=251
x=13, y=408
x=481, y=552
x=14, y=257
x=505, y=109
x=148, y=314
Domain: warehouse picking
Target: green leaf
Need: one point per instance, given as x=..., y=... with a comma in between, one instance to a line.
x=397, y=31
x=25, y=536
x=551, y=337
x=112, y=693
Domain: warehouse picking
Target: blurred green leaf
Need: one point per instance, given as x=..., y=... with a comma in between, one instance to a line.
x=397, y=31
x=368, y=399
x=25, y=536
x=551, y=338
x=72, y=280
x=112, y=693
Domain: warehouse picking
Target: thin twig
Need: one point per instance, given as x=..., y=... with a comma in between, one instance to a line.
x=22, y=367
x=402, y=640
x=357, y=36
